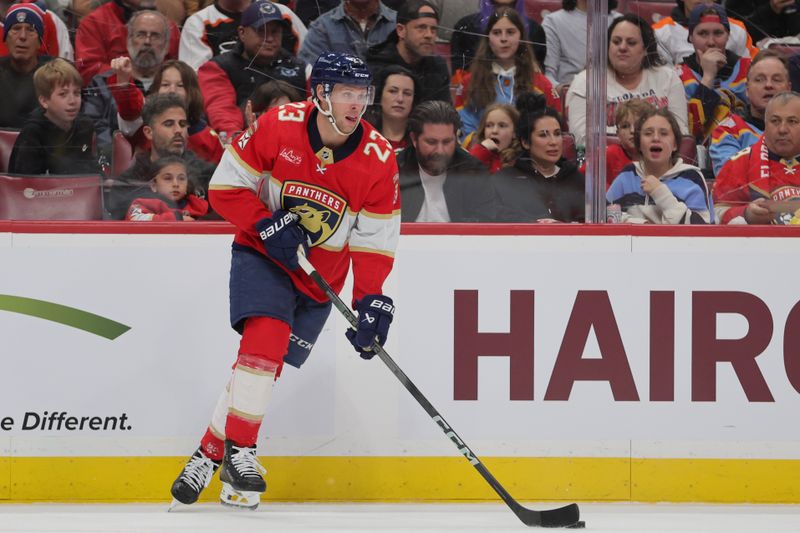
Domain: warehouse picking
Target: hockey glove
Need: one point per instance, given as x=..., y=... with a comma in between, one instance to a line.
x=375, y=313
x=281, y=236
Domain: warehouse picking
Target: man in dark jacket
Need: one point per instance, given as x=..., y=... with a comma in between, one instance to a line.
x=166, y=127
x=411, y=45
x=229, y=79
x=24, y=27
x=440, y=181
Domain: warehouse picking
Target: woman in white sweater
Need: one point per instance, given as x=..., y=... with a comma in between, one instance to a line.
x=635, y=70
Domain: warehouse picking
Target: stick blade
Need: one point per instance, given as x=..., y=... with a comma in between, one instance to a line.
x=567, y=516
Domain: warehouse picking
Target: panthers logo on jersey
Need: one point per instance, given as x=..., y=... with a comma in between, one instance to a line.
x=319, y=209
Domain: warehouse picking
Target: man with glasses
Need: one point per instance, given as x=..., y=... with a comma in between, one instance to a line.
x=229, y=79
x=311, y=175
x=24, y=27
x=103, y=35
x=147, y=38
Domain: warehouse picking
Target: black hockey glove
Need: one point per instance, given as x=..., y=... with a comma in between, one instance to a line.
x=375, y=313
x=281, y=236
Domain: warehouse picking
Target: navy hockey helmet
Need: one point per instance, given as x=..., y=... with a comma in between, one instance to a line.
x=340, y=68
x=333, y=67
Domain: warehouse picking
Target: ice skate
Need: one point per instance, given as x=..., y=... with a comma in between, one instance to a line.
x=194, y=477
x=242, y=483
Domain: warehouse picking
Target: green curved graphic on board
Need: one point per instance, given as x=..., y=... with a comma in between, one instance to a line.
x=69, y=316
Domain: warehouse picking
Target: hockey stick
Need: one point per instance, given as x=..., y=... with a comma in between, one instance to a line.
x=567, y=516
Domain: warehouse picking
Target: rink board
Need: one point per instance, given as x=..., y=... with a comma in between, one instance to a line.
x=580, y=363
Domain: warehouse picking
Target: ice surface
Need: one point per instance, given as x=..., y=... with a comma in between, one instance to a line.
x=417, y=518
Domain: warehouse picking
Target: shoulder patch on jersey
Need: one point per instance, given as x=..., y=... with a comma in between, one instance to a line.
x=320, y=210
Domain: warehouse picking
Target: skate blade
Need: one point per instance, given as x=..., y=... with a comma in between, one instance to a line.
x=175, y=505
x=237, y=499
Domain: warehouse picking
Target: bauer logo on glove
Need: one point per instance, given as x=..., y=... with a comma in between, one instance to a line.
x=281, y=235
x=375, y=314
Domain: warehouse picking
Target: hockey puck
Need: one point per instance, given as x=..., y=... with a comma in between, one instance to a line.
x=580, y=524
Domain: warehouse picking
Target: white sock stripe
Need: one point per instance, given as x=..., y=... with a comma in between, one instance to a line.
x=250, y=392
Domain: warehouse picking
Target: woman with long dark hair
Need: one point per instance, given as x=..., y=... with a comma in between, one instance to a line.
x=543, y=186
x=397, y=90
x=468, y=30
x=503, y=68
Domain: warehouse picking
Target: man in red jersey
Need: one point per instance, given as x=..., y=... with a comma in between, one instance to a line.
x=761, y=184
x=309, y=174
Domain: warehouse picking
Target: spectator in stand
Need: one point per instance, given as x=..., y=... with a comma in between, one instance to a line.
x=543, y=186
x=353, y=27
x=166, y=128
x=55, y=38
x=147, y=46
x=760, y=184
x=565, y=32
x=213, y=30
x=229, y=79
x=660, y=188
x=411, y=45
x=768, y=75
x=714, y=78
x=170, y=197
x=468, y=31
x=496, y=144
x=24, y=29
x=672, y=34
x=268, y=95
x=173, y=77
x=634, y=71
x=56, y=139
x=310, y=10
x=767, y=18
x=504, y=67
x=439, y=180
x=397, y=90
x=105, y=33
x=618, y=156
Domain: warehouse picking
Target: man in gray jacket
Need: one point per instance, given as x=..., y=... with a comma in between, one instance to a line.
x=352, y=27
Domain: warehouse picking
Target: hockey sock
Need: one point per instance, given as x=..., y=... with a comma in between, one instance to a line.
x=263, y=346
x=213, y=442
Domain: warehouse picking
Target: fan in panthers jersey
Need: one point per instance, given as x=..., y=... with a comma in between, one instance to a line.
x=761, y=184
x=312, y=175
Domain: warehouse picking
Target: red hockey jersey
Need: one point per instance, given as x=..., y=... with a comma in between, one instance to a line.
x=754, y=173
x=348, y=198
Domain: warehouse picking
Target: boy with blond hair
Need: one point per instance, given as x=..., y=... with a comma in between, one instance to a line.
x=56, y=138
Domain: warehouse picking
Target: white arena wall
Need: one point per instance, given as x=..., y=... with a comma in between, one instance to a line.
x=580, y=363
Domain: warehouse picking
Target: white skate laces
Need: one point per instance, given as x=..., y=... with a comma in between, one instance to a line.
x=245, y=462
x=198, y=472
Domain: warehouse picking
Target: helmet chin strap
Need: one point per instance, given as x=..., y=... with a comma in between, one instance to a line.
x=329, y=115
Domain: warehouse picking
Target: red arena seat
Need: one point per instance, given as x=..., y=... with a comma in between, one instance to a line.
x=51, y=198
x=121, y=154
x=7, y=140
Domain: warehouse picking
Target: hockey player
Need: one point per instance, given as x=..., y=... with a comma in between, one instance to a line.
x=309, y=174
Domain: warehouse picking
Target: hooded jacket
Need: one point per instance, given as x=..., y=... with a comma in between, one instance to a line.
x=682, y=198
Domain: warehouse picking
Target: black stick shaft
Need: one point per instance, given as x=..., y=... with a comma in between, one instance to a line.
x=563, y=517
